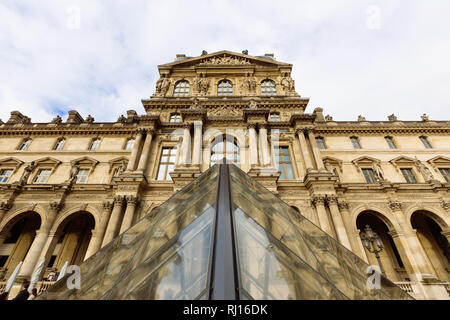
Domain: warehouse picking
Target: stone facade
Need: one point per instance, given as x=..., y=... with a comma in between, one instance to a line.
x=68, y=188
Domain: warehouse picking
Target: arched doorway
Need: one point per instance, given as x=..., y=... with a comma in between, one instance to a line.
x=225, y=147
x=390, y=257
x=434, y=244
x=71, y=242
x=19, y=234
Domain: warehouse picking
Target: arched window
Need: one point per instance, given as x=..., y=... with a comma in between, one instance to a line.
x=225, y=88
x=225, y=147
x=181, y=89
x=268, y=88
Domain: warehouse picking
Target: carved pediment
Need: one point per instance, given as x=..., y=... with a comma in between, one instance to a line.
x=365, y=161
x=48, y=162
x=439, y=162
x=11, y=163
x=114, y=163
x=224, y=57
x=87, y=162
x=332, y=162
x=402, y=161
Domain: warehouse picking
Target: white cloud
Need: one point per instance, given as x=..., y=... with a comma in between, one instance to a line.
x=110, y=63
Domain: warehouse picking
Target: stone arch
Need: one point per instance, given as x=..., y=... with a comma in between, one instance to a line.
x=433, y=213
x=91, y=209
x=383, y=215
x=15, y=215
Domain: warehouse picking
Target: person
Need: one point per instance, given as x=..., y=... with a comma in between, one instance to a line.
x=4, y=296
x=23, y=294
x=33, y=294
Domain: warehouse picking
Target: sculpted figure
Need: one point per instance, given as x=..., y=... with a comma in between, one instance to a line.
x=288, y=84
x=392, y=117
x=57, y=120
x=121, y=168
x=425, y=117
x=361, y=118
x=426, y=173
x=26, y=173
x=379, y=173
x=162, y=85
x=73, y=173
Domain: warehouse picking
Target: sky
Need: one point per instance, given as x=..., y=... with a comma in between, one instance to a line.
x=350, y=57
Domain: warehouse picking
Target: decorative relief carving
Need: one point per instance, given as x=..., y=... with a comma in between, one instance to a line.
x=201, y=85
x=131, y=200
x=445, y=205
x=288, y=85
x=395, y=205
x=107, y=205
x=332, y=199
x=224, y=111
x=343, y=205
x=118, y=200
x=227, y=60
x=248, y=85
x=55, y=206
x=318, y=200
x=128, y=188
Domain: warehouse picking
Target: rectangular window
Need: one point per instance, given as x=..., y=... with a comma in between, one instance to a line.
x=130, y=144
x=409, y=175
x=175, y=117
x=4, y=175
x=284, y=162
x=60, y=144
x=355, y=142
x=369, y=175
x=95, y=144
x=82, y=176
x=24, y=145
x=42, y=176
x=275, y=117
x=445, y=173
x=320, y=143
x=426, y=143
x=390, y=142
x=166, y=163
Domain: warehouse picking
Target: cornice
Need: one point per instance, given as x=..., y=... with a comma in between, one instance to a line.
x=384, y=127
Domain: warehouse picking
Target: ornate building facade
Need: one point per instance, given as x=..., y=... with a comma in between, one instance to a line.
x=67, y=188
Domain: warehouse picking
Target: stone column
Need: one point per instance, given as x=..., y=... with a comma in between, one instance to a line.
x=183, y=158
x=98, y=233
x=134, y=152
x=252, y=145
x=319, y=203
x=264, y=144
x=143, y=161
x=129, y=213
x=198, y=138
x=39, y=242
x=114, y=221
x=339, y=226
x=305, y=151
x=316, y=151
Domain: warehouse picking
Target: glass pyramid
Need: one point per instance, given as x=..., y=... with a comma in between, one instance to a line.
x=224, y=236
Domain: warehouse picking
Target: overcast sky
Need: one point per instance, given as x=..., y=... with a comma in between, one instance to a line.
x=350, y=57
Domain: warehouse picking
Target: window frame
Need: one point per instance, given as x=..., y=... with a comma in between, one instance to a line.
x=426, y=142
x=93, y=141
x=268, y=91
x=445, y=176
x=370, y=178
x=225, y=91
x=355, y=143
x=225, y=140
x=406, y=177
x=78, y=175
x=175, y=116
x=25, y=142
x=173, y=150
x=2, y=177
x=391, y=142
x=283, y=163
x=38, y=176
x=182, y=92
x=275, y=115
x=127, y=142
x=56, y=146
x=322, y=140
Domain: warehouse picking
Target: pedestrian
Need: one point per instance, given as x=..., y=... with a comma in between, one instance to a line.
x=23, y=294
x=33, y=294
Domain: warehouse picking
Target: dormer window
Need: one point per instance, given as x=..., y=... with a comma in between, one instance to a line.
x=25, y=144
x=225, y=88
x=268, y=88
x=181, y=89
x=175, y=117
